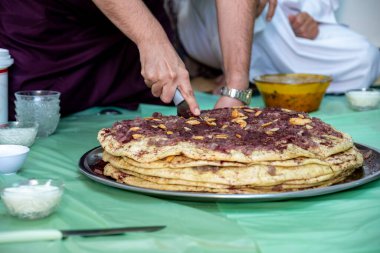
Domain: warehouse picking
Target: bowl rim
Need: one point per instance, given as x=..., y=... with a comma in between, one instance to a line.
x=363, y=90
x=59, y=183
x=33, y=93
x=15, y=125
x=20, y=148
x=325, y=78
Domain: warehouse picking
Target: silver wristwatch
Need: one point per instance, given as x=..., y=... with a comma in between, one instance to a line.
x=242, y=95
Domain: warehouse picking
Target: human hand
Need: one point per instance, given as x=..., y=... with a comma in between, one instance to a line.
x=261, y=5
x=304, y=25
x=164, y=72
x=225, y=101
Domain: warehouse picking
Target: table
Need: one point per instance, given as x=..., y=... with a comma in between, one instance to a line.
x=347, y=221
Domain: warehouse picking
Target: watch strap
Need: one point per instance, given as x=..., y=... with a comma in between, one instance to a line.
x=242, y=95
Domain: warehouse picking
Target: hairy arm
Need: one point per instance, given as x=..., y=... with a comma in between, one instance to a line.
x=134, y=19
x=161, y=67
x=236, y=21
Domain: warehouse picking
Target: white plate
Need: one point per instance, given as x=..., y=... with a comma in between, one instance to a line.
x=369, y=172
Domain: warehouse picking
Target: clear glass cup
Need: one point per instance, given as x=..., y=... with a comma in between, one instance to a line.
x=41, y=107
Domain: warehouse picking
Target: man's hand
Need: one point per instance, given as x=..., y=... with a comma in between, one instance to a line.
x=225, y=101
x=261, y=5
x=304, y=25
x=161, y=67
x=164, y=72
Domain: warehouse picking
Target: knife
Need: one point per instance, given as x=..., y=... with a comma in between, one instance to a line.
x=55, y=234
x=181, y=104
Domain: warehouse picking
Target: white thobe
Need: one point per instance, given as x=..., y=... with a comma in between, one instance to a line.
x=337, y=51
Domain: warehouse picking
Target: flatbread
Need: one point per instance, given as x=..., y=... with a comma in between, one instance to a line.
x=182, y=161
x=253, y=174
x=237, y=135
x=179, y=161
x=134, y=179
x=228, y=150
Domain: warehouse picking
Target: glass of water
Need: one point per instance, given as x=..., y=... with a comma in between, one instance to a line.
x=39, y=106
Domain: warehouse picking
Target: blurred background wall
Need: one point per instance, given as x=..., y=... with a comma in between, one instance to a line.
x=362, y=16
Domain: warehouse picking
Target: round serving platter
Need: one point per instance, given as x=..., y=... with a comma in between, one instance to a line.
x=369, y=172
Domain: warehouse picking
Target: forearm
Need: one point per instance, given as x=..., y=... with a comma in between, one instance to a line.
x=134, y=19
x=161, y=67
x=236, y=21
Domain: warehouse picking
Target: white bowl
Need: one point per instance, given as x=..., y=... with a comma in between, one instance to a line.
x=363, y=99
x=18, y=133
x=12, y=157
x=32, y=199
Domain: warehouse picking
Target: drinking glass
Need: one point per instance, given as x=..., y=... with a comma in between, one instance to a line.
x=39, y=106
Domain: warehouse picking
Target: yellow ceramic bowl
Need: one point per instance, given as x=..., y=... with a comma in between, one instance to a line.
x=299, y=92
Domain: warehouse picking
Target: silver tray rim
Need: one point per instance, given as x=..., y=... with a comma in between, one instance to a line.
x=85, y=169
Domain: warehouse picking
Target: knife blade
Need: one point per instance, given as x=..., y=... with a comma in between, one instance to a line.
x=55, y=234
x=183, y=108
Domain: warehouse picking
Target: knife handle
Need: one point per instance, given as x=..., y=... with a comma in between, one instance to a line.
x=30, y=235
x=178, y=98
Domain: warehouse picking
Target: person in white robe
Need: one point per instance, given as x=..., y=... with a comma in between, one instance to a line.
x=302, y=37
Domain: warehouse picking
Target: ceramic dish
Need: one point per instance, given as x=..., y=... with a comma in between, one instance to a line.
x=363, y=99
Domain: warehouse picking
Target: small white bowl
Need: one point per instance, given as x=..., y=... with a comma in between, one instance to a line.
x=12, y=157
x=32, y=199
x=363, y=99
x=18, y=133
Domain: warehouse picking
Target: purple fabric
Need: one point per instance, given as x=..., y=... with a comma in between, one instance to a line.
x=71, y=47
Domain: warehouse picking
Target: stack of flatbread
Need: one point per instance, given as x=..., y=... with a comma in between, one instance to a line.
x=229, y=150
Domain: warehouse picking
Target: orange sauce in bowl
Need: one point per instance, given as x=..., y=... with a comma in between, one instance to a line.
x=299, y=92
x=308, y=102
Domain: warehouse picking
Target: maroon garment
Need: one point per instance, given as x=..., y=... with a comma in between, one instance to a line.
x=71, y=47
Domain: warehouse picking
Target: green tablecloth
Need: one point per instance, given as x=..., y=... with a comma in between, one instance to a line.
x=347, y=221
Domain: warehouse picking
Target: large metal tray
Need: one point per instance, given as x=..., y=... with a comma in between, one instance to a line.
x=369, y=172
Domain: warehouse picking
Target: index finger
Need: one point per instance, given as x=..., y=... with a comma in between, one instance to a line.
x=271, y=10
x=188, y=94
